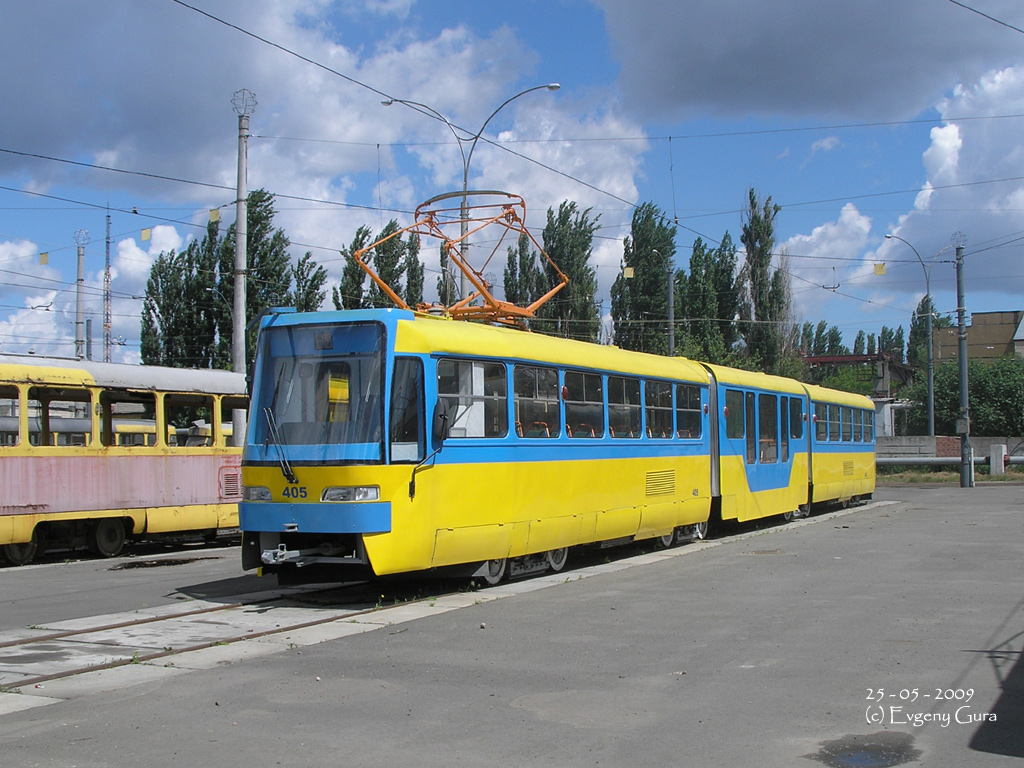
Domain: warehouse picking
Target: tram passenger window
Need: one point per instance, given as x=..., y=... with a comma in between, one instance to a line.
x=783, y=429
x=858, y=425
x=750, y=409
x=820, y=422
x=476, y=394
x=9, y=412
x=59, y=416
x=688, y=411
x=768, y=428
x=734, y=414
x=796, y=418
x=658, y=409
x=833, y=423
x=127, y=419
x=584, y=404
x=536, y=401
x=191, y=418
x=847, y=421
x=869, y=426
x=407, y=411
x=623, y=407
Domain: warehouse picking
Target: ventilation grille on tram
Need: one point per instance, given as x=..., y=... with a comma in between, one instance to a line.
x=661, y=483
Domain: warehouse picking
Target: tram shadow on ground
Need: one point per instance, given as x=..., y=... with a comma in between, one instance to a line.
x=1003, y=734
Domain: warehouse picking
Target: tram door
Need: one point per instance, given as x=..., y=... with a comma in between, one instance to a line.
x=757, y=453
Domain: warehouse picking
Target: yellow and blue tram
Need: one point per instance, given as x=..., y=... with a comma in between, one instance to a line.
x=387, y=441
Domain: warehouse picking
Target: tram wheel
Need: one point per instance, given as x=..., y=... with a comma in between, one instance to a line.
x=700, y=531
x=19, y=554
x=791, y=515
x=495, y=571
x=107, y=537
x=668, y=540
x=556, y=558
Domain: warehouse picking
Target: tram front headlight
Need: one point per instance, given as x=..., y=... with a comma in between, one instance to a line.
x=351, y=493
x=256, y=493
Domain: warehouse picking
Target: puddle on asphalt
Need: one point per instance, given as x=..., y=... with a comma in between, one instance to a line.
x=875, y=750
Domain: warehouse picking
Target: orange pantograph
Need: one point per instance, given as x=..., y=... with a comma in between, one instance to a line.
x=508, y=214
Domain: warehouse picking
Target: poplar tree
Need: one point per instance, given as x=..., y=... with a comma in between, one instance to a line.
x=640, y=292
x=568, y=239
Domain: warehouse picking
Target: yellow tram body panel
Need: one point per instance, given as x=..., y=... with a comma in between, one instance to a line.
x=529, y=507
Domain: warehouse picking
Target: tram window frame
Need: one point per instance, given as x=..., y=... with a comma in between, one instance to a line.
x=47, y=405
x=858, y=425
x=846, y=421
x=624, y=408
x=10, y=411
x=406, y=412
x=689, y=424
x=750, y=417
x=191, y=417
x=821, y=422
x=869, y=426
x=834, y=431
x=135, y=411
x=784, y=428
x=767, y=428
x=584, y=404
x=735, y=427
x=658, y=409
x=479, y=411
x=796, y=418
x=536, y=403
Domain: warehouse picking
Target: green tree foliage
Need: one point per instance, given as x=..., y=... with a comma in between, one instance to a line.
x=447, y=285
x=569, y=241
x=834, y=344
x=523, y=278
x=872, y=348
x=849, y=378
x=179, y=314
x=858, y=343
x=890, y=342
x=640, y=302
x=389, y=264
x=309, y=279
x=917, y=339
x=820, y=344
x=414, y=272
x=705, y=327
x=766, y=301
x=349, y=293
x=268, y=280
x=995, y=394
x=189, y=306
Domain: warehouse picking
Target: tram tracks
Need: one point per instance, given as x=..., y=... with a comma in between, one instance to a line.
x=71, y=648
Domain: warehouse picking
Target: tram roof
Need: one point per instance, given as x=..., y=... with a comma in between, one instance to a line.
x=64, y=371
x=438, y=335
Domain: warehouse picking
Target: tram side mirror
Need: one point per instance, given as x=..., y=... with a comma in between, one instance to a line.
x=442, y=423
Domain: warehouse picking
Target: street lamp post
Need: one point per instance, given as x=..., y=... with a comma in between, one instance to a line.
x=466, y=158
x=928, y=329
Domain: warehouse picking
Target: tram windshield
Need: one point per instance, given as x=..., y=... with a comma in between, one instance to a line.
x=320, y=387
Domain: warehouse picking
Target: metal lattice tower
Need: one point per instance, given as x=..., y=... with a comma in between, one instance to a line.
x=106, y=300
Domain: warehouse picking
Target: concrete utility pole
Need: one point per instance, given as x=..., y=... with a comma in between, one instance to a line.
x=963, y=424
x=81, y=238
x=244, y=103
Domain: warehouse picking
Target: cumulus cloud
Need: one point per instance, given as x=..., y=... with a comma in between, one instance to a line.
x=873, y=59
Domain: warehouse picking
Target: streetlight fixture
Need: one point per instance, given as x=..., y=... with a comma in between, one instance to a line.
x=928, y=327
x=467, y=157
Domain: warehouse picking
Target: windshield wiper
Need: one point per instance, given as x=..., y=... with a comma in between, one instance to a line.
x=275, y=437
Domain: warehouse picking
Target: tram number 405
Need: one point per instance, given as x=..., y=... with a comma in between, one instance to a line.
x=295, y=492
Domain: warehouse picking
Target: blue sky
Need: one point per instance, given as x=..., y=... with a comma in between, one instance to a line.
x=859, y=119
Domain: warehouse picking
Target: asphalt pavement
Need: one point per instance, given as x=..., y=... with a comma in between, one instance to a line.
x=888, y=634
